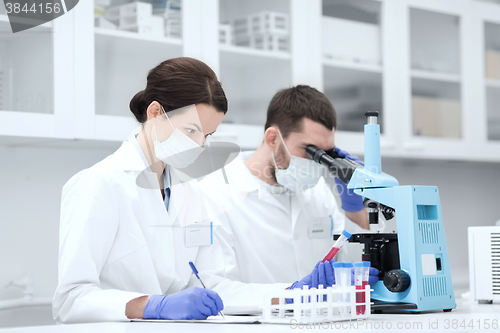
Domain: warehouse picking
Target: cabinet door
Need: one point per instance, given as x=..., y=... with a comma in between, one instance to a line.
x=36, y=76
x=112, y=66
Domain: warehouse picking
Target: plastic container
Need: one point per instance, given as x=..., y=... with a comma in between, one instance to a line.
x=342, y=271
x=361, y=275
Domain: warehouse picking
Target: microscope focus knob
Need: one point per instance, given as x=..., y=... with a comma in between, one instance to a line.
x=397, y=280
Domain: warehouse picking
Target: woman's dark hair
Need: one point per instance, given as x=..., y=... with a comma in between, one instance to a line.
x=179, y=82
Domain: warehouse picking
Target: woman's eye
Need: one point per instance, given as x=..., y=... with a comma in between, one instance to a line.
x=191, y=131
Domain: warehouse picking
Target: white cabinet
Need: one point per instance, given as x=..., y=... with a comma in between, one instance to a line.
x=427, y=65
x=36, y=96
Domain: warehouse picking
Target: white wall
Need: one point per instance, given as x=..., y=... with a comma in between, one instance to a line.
x=31, y=179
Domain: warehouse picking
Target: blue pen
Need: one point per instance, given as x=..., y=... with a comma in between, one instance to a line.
x=195, y=271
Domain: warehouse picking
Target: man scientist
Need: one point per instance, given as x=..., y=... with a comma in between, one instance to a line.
x=285, y=221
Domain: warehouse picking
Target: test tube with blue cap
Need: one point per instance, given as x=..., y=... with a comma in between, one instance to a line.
x=361, y=276
x=337, y=245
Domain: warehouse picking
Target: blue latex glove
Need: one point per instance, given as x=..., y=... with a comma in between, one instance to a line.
x=191, y=303
x=372, y=277
x=351, y=202
x=321, y=274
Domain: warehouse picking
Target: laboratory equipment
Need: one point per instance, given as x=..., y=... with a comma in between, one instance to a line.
x=195, y=272
x=337, y=245
x=314, y=309
x=342, y=271
x=361, y=274
x=414, y=267
x=484, y=264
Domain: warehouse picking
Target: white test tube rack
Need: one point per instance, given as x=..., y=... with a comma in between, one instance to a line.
x=340, y=304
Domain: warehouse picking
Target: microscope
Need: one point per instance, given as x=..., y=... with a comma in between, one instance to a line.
x=414, y=267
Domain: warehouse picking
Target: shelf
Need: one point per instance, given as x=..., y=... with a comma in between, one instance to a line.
x=353, y=66
x=490, y=83
x=435, y=88
x=249, y=56
x=435, y=76
x=132, y=37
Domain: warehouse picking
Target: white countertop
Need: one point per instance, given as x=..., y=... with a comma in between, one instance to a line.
x=465, y=318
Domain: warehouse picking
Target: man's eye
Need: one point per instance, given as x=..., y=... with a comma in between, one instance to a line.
x=191, y=131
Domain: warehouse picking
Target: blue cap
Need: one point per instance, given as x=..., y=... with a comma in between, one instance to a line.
x=337, y=264
x=347, y=264
x=366, y=264
x=358, y=264
x=346, y=233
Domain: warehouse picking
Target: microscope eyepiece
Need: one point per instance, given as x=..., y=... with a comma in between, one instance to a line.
x=342, y=168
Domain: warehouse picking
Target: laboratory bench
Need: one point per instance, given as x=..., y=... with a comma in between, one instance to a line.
x=467, y=317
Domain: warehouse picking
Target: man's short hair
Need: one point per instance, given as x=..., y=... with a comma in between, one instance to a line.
x=289, y=106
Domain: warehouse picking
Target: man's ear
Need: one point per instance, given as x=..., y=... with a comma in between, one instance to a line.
x=270, y=137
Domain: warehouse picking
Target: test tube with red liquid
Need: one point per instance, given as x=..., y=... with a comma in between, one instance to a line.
x=337, y=245
x=361, y=275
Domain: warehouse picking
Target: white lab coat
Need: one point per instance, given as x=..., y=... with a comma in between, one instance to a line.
x=118, y=242
x=261, y=240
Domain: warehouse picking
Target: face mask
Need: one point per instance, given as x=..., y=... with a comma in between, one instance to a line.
x=178, y=150
x=301, y=174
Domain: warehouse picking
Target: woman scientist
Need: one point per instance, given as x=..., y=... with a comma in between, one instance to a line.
x=126, y=232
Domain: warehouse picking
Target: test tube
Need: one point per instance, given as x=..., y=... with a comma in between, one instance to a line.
x=347, y=278
x=366, y=276
x=337, y=245
x=338, y=270
x=359, y=277
x=342, y=271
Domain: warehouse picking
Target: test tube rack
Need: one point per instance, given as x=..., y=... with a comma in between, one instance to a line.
x=309, y=305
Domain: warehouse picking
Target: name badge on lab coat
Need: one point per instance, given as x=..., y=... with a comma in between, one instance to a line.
x=321, y=227
x=199, y=234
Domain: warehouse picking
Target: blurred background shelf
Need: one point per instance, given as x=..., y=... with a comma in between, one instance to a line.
x=131, y=37
x=435, y=76
x=493, y=83
x=247, y=55
x=352, y=65
x=347, y=60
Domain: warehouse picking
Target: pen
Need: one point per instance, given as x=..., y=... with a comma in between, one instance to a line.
x=195, y=271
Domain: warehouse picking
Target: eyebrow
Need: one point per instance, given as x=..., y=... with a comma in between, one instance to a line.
x=196, y=125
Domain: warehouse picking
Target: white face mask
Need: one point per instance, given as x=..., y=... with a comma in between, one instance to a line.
x=178, y=151
x=301, y=173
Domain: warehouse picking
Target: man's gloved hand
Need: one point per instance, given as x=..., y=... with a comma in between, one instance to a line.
x=191, y=303
x=351, y=202
x=372, y=277
x=321, y=274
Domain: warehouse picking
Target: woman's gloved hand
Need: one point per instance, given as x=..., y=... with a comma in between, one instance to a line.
x=372, y=277
x=322, y=274
x=191, y=303
x=351, y=202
